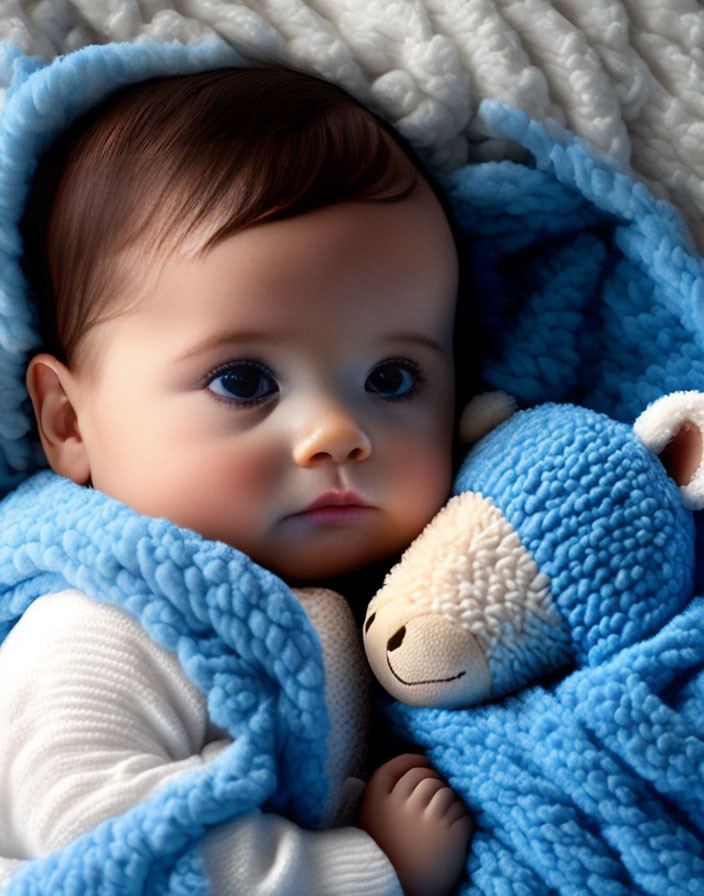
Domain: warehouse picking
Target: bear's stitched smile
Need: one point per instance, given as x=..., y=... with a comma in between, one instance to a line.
x=427, y=680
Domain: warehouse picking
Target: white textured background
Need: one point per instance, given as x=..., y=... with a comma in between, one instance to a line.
x=627, y=75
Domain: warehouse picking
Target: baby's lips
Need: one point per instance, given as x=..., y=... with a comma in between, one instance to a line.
x=336, y=498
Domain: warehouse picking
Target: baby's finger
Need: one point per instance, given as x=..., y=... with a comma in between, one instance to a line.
x=407, y=784
x=458, y=811
x=443, y=799
x=424, y=792
x=463, y=828
x=389, y=774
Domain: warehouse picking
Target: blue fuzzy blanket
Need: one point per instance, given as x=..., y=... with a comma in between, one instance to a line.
x=585, y=289
x=241, y=637
x=594, y=785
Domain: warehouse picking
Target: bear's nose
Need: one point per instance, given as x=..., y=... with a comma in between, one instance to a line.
x=396, y=640
x=431, y=660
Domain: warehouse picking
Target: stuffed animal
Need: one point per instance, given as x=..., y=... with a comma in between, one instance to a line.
x=569, y=538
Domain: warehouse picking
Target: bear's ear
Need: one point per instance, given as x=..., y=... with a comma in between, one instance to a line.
x=673, y=428
x=484, y=413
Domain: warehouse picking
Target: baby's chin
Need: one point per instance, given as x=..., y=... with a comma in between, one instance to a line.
x=325, y=566
x=317, y=554
x=318, y=572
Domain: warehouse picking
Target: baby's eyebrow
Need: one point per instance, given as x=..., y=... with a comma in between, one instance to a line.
x=246, y=337
x=417, y=339
x=250, y=337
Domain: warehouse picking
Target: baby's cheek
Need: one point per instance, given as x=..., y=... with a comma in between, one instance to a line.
x=249, y=472
x=222, y=494
x=241, y=482
x=423, y=479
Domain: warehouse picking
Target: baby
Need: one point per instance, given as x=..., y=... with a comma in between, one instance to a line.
x=247, y=295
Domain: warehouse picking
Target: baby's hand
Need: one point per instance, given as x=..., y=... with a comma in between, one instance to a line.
x=419, y=822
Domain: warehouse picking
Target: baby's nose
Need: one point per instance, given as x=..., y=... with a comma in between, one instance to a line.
x=336, y=437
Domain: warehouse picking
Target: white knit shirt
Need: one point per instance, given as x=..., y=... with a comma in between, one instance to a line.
x=95, y=717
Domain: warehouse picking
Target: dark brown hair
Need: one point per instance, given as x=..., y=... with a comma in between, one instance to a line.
x=206, y=155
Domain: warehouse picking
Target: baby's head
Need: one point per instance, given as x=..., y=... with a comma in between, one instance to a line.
x=249, y=294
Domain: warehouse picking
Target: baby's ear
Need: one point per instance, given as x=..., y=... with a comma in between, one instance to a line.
x=484, y=413
x=673, y=428
x=50, y=386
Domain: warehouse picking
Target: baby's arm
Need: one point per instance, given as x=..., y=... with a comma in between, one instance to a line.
x=94, y=718
x=266, y=855
x=419, y=822
x=92, y=721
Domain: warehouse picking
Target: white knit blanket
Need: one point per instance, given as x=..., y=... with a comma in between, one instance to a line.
x=627, y=75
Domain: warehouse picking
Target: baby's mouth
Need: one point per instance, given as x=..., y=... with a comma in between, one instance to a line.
x=336, y=498
x=335, y=507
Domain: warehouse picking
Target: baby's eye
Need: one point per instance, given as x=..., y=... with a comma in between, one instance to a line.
x=242, y=382
x=394, y=379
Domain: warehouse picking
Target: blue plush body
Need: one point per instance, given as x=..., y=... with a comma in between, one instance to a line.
x=586, y=289
x=594, y=783
x=600, y=516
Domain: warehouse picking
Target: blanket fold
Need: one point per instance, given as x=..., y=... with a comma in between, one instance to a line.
x=592, y=785
x=241, y=636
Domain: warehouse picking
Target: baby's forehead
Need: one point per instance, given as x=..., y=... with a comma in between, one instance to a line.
x=317, y=260
x=350, y=276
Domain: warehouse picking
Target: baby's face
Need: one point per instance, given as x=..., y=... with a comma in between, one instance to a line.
x=291, y=392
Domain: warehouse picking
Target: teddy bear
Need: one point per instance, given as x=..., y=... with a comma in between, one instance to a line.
x=569, y=537
x=545, y=650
